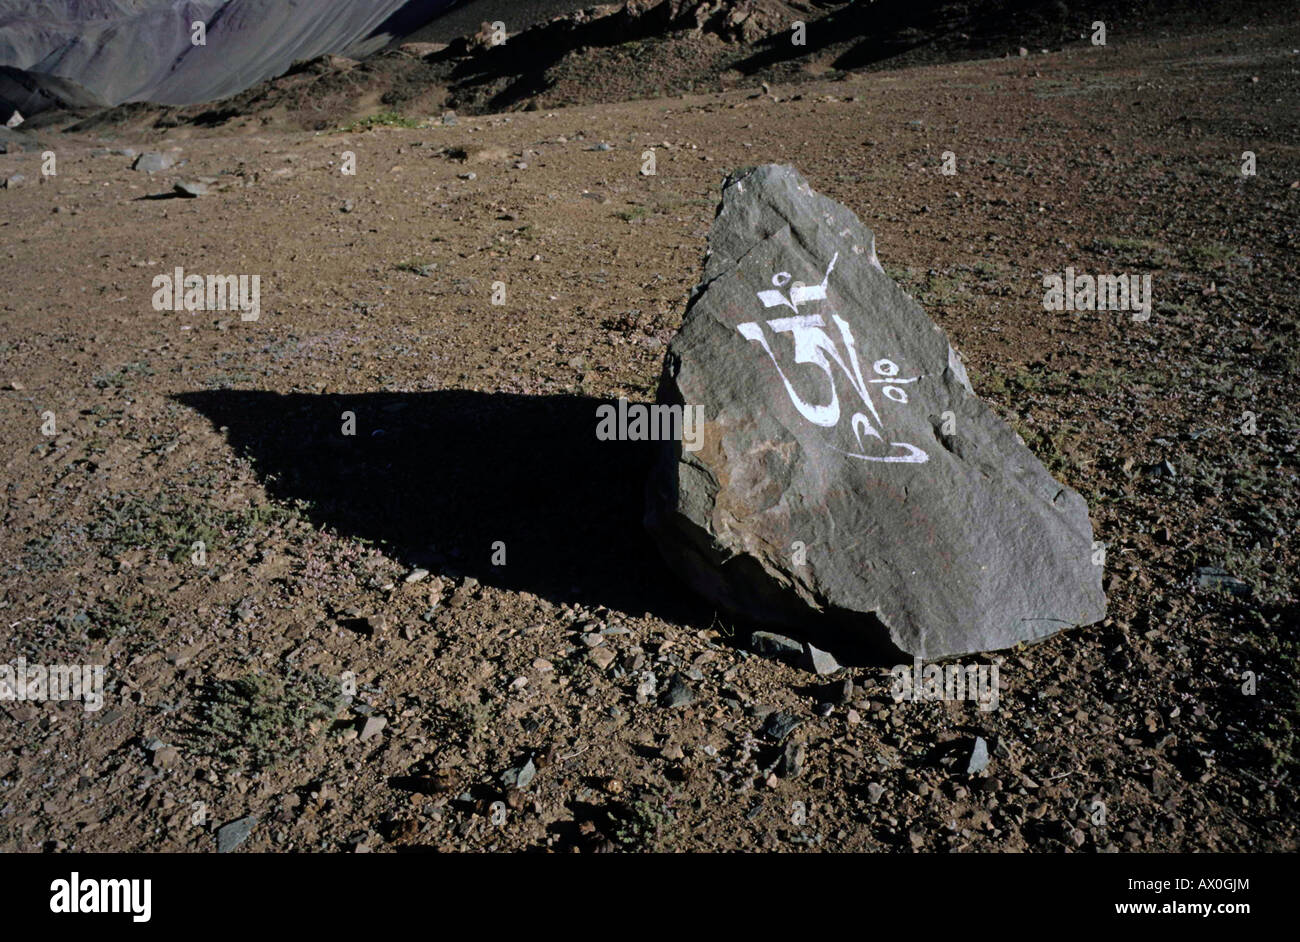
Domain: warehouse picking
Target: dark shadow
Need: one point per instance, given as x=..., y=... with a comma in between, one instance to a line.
x=437, y=478
x=887, y=29
x=890, y=28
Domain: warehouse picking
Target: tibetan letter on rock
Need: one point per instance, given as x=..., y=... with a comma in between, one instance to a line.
x=850, y=483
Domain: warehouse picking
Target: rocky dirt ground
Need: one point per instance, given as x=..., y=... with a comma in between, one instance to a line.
x=355, y=667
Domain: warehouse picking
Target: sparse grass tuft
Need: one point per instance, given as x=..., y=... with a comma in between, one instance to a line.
x=123, y=376
x=255, y=721
x=644, y=824
x=172, y=525
x=384, y=119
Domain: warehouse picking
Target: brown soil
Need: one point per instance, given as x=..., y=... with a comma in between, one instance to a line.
x=475, y=424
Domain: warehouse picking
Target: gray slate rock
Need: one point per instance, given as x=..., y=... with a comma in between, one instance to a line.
x=979, y=757
x=1212, y=576
x=773, y=645
x=824, y=390
x=820, y=662
x=780, y=725
x=191, y=188
x=234, y=833
x=678, y=693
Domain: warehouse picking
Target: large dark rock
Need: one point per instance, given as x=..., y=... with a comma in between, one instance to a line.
x=850, y=482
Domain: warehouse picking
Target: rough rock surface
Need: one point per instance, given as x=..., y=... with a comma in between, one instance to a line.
x=850, y=481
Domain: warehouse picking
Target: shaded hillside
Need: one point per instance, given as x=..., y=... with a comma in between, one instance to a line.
x=654, y=48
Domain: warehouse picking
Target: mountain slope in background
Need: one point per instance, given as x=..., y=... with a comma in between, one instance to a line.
x=142, y=51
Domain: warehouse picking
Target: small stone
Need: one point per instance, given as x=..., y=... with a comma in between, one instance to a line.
x=346, y=207
x=820, y=662
x=672, y=752
x=15, y=181
x=471, y=175
x=647, y=687
x=527, y=772
x=521, y=165
x=231, y=835
x=1213, y=576
x=153, y=162
x=678, y=694
x=875, y=791
x=165, y=757
x=979, y=757
x=374, y=725
x=416, y=575
x=191, y=188
x=602, y=657
x=792, y=760
x=780, y=725
x=771, y=644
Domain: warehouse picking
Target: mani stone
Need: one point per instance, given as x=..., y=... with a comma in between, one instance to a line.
x=850, y=484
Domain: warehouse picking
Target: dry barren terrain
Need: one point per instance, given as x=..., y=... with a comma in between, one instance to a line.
x=435, y=633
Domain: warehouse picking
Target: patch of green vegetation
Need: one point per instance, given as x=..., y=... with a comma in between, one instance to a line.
x=383, y=119
x=1114, y=381
x=228, y=380
x=633, y=214
x=1179, y=308
x=111, y=617
x=941, y=289
x=1140, y=251
x=1211, y=254
x=416, y=267
x=473, y=719
x=905, y=278
x=996, y=384
x=1052, y=446
x=52, y=552
x=644, y=824
x=1255, y=567
x=114, y=617
x=171, y=525
x=255, y=721
x=123, y=376
x=991, y=384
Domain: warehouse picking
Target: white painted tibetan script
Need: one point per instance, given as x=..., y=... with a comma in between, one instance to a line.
x=813, y=345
